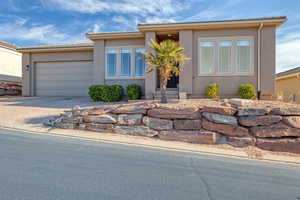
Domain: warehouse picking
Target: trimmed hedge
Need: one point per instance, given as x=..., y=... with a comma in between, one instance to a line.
x=212, y=91
x=134, y=91
x=106, y=93
x=247, y=91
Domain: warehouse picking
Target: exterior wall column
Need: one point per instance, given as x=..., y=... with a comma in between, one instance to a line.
x=26, y=74
x=268, y=57
x=186, y=75
x=99, y=62
x=150, y=78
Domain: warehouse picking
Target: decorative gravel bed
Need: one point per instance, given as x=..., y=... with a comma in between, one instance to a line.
x=269, y=125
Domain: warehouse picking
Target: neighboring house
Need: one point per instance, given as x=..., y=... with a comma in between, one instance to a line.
x=288, y=85
x=10, y=63
x=229, y=53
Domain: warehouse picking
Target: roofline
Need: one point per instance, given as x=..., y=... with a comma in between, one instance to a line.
x=271, y=21
x=115, y=35
x=55, y=48
x=8, y=46
x=289, y=73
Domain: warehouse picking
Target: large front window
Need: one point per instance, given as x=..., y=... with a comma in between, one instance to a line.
x=125, y=62
x=225, y=56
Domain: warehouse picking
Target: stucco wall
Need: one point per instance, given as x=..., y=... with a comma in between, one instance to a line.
x=287, y=87
x=10, y=65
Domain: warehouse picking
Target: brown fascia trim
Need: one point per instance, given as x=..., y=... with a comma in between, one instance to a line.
x=8, y=46
x=57, y=48
x=271, y=21
x=288, y=73
x=114, y=35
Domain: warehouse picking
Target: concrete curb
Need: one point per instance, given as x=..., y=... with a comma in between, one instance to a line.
x=220, y=150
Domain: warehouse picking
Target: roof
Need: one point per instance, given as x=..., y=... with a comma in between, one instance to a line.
x=8, y=46
x=61, y=47
x=253, y=22
x=115, y=35
x=288, y=73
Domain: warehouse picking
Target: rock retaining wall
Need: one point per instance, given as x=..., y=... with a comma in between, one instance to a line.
x=274, y=129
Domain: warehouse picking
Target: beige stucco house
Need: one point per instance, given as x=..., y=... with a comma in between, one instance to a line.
x=229, y=53
x=288, y=85
x=10, y=63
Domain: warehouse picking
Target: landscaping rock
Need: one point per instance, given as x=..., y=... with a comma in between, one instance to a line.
x=217, y=118
x=222, y=110
x=252, y=111
x=158, y=124
x=240, y=141
x=99, y=127
x=98, y=111
x=259, y=120
x=275, y=130
x=183, y=124
x=130, y=109
x=65, y=125
x=102, y=119
x=240, y=102
x=281, y=145
x=72, y=119
x=135, y=130
x=192, y=136
x=130, y=119
x=173, y=113
x=226, y=129
x=286, y=111
x=293, y=121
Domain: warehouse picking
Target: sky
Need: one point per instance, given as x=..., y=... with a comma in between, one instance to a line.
x=44, y=22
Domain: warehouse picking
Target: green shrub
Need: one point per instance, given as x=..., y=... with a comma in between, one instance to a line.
x=106, y=93
x=134, y=91
x=247, y=91
x=212, y=91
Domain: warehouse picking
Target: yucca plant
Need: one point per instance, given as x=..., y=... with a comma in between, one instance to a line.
x=168, y=59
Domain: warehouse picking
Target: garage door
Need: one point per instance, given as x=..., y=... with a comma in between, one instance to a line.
x=63, y=78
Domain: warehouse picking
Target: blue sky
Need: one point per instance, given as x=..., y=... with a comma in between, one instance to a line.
x=40, y=22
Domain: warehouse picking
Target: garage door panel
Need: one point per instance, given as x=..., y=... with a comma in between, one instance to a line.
x=63, y=78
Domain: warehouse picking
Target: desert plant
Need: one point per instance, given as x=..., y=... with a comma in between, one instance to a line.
x=106, y=93
x=134, y=91
x=212, y=91
x=168, y=58
x=247, y=91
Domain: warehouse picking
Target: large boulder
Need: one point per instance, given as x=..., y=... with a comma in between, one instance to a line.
x=226, y=129
x=158, y=124
x=240, y=102
x=72, y=120
x=286, y=111
x=259, y=120
x=174, y=113
x=99, y=127
x=130, y=119
x=293, y=121
x=275, y=130
x=187, y=124
x=222, y=110
x=192, y=136
x=130, y=109
x=101, y=119
x=217, y=118
x=240, y=141
x=252, y=111
x=281, y=145
x=135, y=130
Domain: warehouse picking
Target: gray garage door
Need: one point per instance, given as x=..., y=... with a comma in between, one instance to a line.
x=63, y=78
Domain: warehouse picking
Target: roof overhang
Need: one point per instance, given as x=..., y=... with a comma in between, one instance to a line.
x=114, y=35
x=57, y=48
x=242, y=23
x=8, y=46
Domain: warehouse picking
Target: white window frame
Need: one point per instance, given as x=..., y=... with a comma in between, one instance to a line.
x=118, y=63
x=234, y=52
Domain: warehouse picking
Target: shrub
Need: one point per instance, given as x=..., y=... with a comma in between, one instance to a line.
x=247, y=91
x=106, y=93
x=134, y=91
x=212, y=91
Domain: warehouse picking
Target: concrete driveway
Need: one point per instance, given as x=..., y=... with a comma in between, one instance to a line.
x=30, y=112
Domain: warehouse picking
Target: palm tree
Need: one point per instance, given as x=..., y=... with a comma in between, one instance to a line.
x=168, y=59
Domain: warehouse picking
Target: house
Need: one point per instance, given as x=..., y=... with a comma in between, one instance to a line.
x=288, y=85
x=10, y=69
x=229, y=52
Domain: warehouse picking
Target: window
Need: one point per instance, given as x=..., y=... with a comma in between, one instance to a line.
x=139, y=62
x=125, y=62
x=226, y=56
x=111, y=62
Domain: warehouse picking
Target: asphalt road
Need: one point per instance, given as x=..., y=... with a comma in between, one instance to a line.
x=40, y=167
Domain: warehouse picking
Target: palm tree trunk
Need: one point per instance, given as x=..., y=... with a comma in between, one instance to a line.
x=163, y=89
